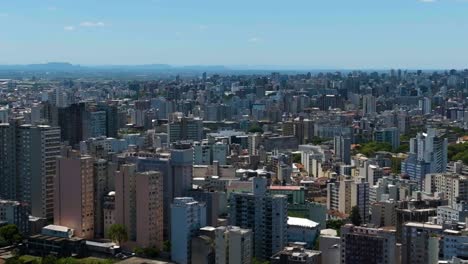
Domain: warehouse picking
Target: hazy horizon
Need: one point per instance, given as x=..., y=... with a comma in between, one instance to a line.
x=362, y=34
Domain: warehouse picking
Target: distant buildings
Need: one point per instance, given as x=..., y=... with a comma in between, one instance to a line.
x=183, y=128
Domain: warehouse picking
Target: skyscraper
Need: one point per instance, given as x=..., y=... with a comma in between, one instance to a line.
x=182, y=168
x=9, y=186
x=369, y=105
x=70, y=121
x=428, y=154
x=342, y=146
x=37, y=149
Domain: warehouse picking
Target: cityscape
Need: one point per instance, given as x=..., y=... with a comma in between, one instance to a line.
x=195, y=148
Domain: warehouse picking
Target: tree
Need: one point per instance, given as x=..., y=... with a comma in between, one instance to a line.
x=118, y=233
x=369, y=149
x=49, y=260
x=335, y=224
x=167, y=246
x=355, y=216
x=10, y=233
x=297, y=158
x=14, y=260
x=255, y=129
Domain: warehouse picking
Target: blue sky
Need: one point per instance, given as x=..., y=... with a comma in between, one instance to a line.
x=313, y=33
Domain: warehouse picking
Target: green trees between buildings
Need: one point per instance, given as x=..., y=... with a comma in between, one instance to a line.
x=118, y=233
x=369, y=149
x=458, y=152
x=9, y=235
x=335, y=224
x=255, y=129
x=355, y=217
x=297, y=158
x=146, y=252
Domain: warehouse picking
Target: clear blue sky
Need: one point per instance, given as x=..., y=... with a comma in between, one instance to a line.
x=315, y=33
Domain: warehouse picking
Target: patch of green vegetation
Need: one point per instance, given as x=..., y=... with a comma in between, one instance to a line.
x=396, y=165
x=255, y=129
x=335, y=224
x=9, y=235
x=297, y=214
x=369, y=149
x=458, y=152
x=297, y=158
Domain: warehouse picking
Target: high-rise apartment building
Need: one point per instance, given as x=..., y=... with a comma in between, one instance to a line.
x=8, y=166
x=453, y=186
x=27, y=166
x=417, y=247
x=342, y=147
x=139, y=205
x=369, y=105
x=341, y=196
x=94, y=124
x=233, y=245
x=36, y=150
x=367, y=245
x=70, y=121
x=181, y=168
x=125, y=199
x=104, y=172
x=74, y=194
x=265, y=215
x=149, y=198
x=185, y=128
x=187, y=216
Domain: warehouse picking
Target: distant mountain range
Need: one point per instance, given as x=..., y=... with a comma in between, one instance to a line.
x=68, y=67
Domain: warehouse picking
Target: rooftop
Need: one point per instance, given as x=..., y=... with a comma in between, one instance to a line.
x=304, y=222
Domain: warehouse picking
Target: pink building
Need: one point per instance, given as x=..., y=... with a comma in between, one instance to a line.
x=74, y=194
x=139, y=206
x=150, y=210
